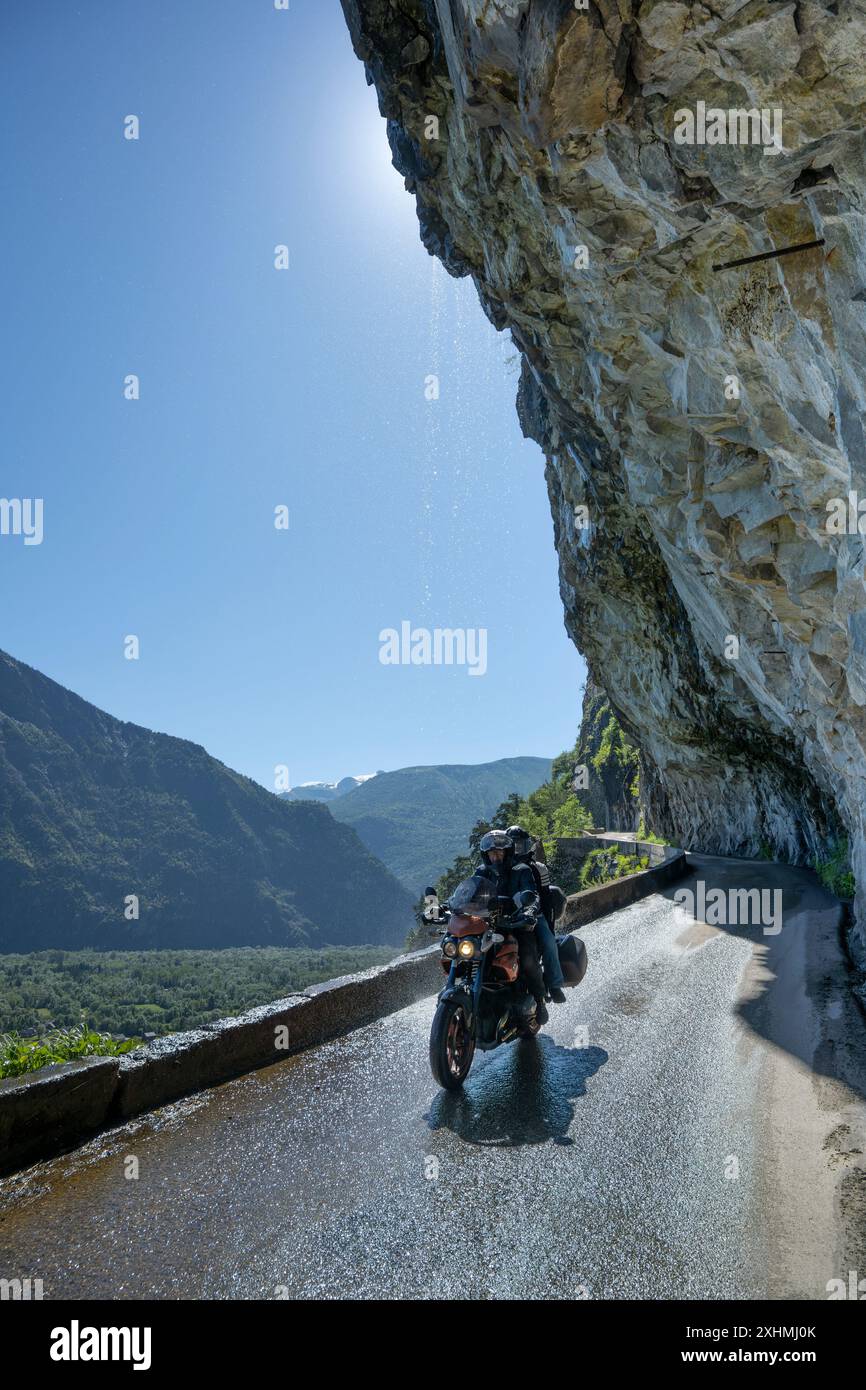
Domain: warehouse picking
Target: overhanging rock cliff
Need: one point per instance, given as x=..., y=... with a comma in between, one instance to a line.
x=696, y=422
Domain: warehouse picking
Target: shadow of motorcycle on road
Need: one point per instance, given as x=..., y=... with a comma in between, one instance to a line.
x=523, y=1095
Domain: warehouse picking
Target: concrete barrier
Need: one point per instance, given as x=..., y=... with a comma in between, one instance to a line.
x=180, y=1063
x=45, y=1111
x=593, y=903
x=579, y=846
x=48, y=1111
x=56, y=1108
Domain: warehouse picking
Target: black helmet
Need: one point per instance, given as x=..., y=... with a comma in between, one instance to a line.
x=523, y=842
x=496, y=839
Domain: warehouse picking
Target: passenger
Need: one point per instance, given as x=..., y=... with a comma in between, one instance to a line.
x=524, y=846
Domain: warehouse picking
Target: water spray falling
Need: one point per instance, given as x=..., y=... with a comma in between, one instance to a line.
x=432, y=442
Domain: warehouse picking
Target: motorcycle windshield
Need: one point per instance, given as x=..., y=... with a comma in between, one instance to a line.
x=472, y=897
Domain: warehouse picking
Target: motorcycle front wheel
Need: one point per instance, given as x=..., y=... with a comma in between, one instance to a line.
x=452, y=1045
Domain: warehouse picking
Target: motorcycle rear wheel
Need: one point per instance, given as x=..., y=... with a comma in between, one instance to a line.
x=452, y=1046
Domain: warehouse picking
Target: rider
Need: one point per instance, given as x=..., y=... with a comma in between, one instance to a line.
x=523, y=854
x=497, y=852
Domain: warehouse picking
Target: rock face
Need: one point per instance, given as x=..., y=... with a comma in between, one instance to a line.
x=611, y=763
x=704, y=418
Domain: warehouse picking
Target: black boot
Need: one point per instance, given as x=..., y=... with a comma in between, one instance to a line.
x=541, y=1011
x=558, y=996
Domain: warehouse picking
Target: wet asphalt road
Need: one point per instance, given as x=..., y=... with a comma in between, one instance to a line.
x=594, y=1162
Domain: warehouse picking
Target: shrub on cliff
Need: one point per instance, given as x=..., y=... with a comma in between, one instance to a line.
x=605, y=865
x=834, y=871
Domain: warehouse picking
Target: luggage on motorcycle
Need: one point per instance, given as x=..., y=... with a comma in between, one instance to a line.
x=550, y=894
x=557, y=902
x=572, y=958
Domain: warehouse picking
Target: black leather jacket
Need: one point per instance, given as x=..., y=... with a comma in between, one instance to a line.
x=514, y=878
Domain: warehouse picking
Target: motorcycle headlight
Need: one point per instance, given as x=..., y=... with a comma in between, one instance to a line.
x=466, y=948
x=449, y=949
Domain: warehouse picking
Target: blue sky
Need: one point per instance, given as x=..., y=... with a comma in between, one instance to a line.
x=258, y=388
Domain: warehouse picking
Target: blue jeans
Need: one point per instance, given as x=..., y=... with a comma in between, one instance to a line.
x=553, y=976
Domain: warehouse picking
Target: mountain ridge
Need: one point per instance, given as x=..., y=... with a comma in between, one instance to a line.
x=95, y=811
x=326, y=791
x=417, y=819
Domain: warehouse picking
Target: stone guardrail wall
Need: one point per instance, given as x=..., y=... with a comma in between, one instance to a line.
x=57, y=1107
x=592, y=903
x=51, y=1110
x=580, y=845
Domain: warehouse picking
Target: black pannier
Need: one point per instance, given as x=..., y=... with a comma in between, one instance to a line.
x=572, y=958
x=556, y=901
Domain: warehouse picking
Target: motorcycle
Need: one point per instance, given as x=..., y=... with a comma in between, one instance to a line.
x=485, y=1002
